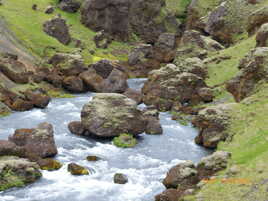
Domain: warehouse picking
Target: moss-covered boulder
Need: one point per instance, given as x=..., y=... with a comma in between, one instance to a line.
x=171, y=84
x=110, y=114
x=125, y=141
x=76, y=169
x=17, y=172
x=212, y=122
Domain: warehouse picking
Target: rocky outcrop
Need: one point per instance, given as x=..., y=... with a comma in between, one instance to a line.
x=212, y=123
x=262, y=36
x=253, y=69
x=17, y=172
x=256, y=19
x=37, y=141
x=121, y=19
x=70, y=6
x=172, y=84
x=58, y=29
x=183, y=178
x=109, y=115
x=134, y=95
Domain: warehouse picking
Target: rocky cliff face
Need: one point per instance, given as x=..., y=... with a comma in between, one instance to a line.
x=122, y=19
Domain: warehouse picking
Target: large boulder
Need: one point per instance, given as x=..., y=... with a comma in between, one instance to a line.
x=17, y=172
x=168, y=195
x=181, y=176
x=58, y=29
x=212, y=123
x=172, y=84
x=153, y=123
x=123, y=18
x=74, y=84
x=37, y=141
x=253, y=69
x=256, y=19
x=70, y=6
x=8, y=148
x=109, y=115
x=38, y=97
x=92, y=80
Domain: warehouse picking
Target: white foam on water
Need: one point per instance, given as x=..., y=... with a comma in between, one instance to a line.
x=35, y=114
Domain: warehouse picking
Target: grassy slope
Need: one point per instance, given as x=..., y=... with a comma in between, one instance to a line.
x=27, y=26
x=249, y=128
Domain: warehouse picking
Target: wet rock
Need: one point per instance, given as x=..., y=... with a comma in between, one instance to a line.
x=49, y=10
x=39, y=141
x=125, y=141
x=49, y=164
x=181, y=176
x=17, y=172
x=76, y=169
x=134, y=95
x=76, y=127
x=71, y=6
x=262, y=36
x=212, y=123
x=74, y=84
x=38, y=97
x=93, y=158
x=172, y=84
x=58, y=29
x=54, y=78
x=153, y=122
x=168, y=195
x=253, y=69
x=211, y=164
x=92, y=80
x=146, y=19
x=116, y=82
x=8, y=148
x=14, y=70
x=140, y=54
x=120, y=178
x=109, y=115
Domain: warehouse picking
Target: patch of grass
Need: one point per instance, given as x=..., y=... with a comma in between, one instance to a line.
x=27, y=26
x=59, y=94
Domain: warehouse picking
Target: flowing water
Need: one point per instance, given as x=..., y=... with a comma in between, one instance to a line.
x=145, y=165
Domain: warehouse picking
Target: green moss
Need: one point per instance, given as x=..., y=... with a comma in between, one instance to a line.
x=51, y=165
x=59, y=94
x=125, y=141
x=8, y=179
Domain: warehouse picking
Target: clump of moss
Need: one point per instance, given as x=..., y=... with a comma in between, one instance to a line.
x=125, y=141
x=59, y=94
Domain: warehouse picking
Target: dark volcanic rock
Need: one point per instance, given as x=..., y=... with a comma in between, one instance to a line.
x=58, y=29
x=70, y=6
x=121, y=18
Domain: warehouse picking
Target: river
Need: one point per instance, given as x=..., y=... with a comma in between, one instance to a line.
x=145, y=165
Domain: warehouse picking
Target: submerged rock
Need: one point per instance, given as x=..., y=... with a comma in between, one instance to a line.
x=17, y=172
x=120, y=178
x=109, y=115
x=75, y=169
x=93, y=158
x=76, y=127
x=49, y=164
x=125, y=141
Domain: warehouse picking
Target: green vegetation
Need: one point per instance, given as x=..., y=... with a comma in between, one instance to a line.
x=19, y=16
x=51, y=165
x=125, y=141
x=9, y=180
x=178, y=7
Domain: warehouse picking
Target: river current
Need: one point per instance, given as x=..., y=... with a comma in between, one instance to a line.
x=145, y=165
